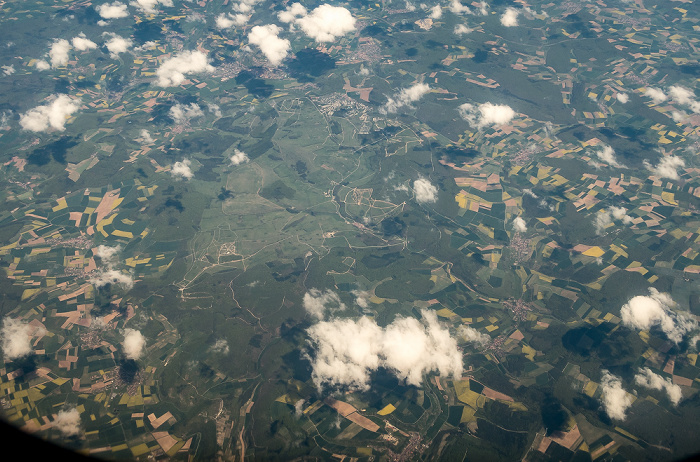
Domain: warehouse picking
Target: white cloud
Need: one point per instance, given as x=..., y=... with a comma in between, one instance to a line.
x=42, y=65
x=133, y=344
x=68, y=422
x=239, y=157
x=114, y=10
x=667, y=167
x=299, y=408
x=685, y=97
x=82, y=43
x=112, y=276
x=425, y=191
x=519, y=225
x=472, y=335
x=347, y=351
x=294, y=11
x=615, y=399
x=410, y=6
x=183, y=113
x=436, y=12
x=59, y=53
x=405, y=97
x=149, y=6
x=51, y=115
x=607, y=154
x=117, y=44
x=182, y=169
x=510, y=17
x=318, y=303
x=266, y=38
x=605, y=218
x=486, y=114
x=108, y=255
x=361, y=298
x=483, y=8
x=16, y=338
x=146, y=137
x=657, y=95
x=622, y=97
x=461, y=29
x=648, y=379
x=220, y=346
x=326, y=23
x=214, y=109
x=227, y=20
x=8, y=70
x=646, y=311
x=172, y=72
x=457, y=8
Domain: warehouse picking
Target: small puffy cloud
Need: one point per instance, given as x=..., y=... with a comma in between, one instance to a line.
x=425, y=191
x=361, y=298
x=646, y=311
x=657, y=95
x=348, y=351
x=108, y=255
x=510, y=17
x=461, y=29
x=172, y=72
x=483, y=8
x=8, y=70
x=318, y=303
x=16, y=338
x=239, y=157
x=114, y=10
x=42, y=65
x=133, y=344
x=266, y=38
x=51, y=115
x=472, y=335
x=667, y=167
x=622, y=97
x=436, y=12
x=615, y=399
x=182, y=169
x=648, y=379
x=183, y=113
x=112, y=276
x=685, y=97
x=67, y=422
x=486, y=114
x=519, y=225
x=59, y=52
x=149, y=6
x=299, y=408
x=117, y=44
x=607, y=217
x=220, y=346
x=82, y=43
x=294, y=11
x=457, y=8
x=405, y=97
x=326, y=23
x=607, y=154
x=146, y=137
x=227, y=20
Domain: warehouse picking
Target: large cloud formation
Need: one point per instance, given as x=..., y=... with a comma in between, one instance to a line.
x=615, y=399
x=425, y=191
x=405, y=97
x=324, y=24
x=348, y=351
x=646, y=311
x=648, y=379
x=486, y=114
x=16, y=338
x=133, y=344
x=51, y=115
x=667, y=167
x=172, y=72
x=266, y=38
x=68, y=422
x=318, y=303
